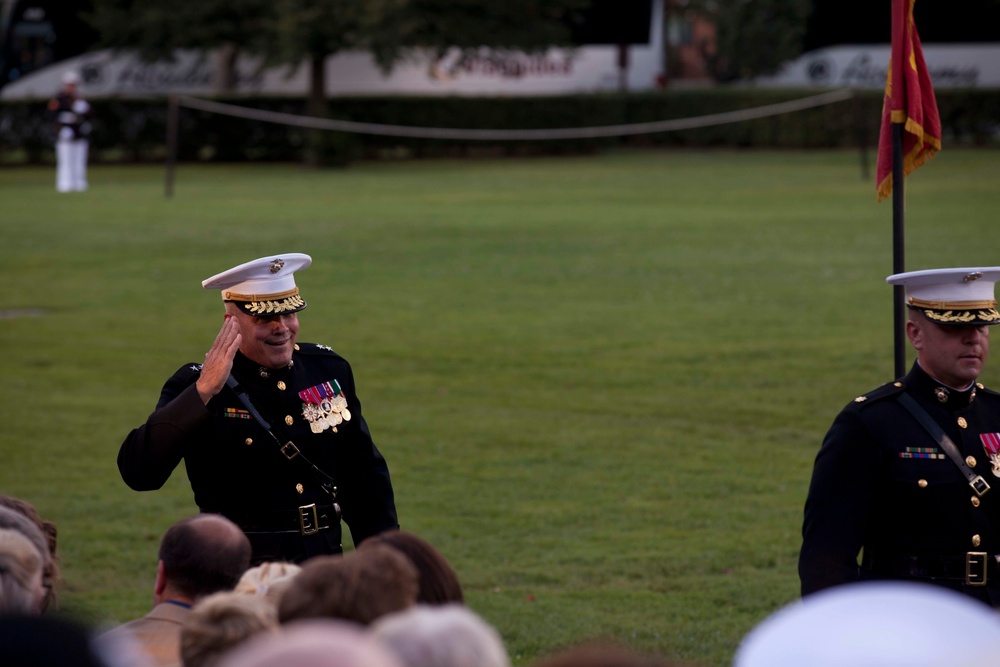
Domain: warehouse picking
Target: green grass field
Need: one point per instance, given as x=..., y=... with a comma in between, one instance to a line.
x=599, y=381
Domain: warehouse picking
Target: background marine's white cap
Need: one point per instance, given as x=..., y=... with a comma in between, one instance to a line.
x=876, y=624
x=71, y=77
x=264, y=286
x=963, y=296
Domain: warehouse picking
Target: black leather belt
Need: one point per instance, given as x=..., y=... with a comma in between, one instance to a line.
x=304, y=520
x=973, y=568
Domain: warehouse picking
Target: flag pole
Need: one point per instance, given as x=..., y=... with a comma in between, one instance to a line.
x=898, y=250
x=910, y=135
x=896, y=67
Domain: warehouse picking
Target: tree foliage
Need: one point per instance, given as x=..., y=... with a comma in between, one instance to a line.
x=307, y=29
x=754, y=37
x=297, y=32
x=155, y=28
x=524, y=25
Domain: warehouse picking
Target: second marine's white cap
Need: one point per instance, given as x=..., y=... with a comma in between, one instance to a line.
x=958, y=297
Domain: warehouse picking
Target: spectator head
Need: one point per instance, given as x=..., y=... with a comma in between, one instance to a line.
x=220, y=622
x=316, y=643
x=441, y=636
x=438, y=582
x=21, y=590
x=201, y=555
x=359, y=586
x=50, y=574
x=269, y=579
x=52, y=641
x=15, y=520
x=876, y=624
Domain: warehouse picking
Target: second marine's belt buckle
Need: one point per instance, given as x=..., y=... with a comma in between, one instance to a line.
x=975, y=568
x=309, y=520
x=291, y=451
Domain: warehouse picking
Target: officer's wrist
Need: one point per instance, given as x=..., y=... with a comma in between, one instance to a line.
x=206, y=395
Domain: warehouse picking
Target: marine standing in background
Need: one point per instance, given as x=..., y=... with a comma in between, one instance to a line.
x=71, y=115
x=908, y=476
x=270, y=429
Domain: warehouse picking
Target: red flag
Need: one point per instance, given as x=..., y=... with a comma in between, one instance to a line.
x=909, y=100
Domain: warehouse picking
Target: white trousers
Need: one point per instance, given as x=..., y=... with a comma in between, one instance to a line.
x=71, y=165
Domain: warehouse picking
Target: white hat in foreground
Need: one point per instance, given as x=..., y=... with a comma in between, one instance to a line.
x=264, y=286
x=876, y=624
x=959, y=297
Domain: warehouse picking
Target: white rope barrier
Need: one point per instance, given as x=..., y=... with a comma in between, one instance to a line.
x=517, y=135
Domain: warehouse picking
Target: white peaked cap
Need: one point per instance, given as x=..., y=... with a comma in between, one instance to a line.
x=264, y=286
x=962, y=296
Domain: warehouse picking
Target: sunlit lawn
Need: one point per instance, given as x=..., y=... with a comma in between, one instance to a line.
x=599, y=381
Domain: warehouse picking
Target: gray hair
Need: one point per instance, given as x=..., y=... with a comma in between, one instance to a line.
x=20, y=568
x=449, y=635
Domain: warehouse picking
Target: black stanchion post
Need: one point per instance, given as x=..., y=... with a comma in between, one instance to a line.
x=861, y=125
x=173, y=109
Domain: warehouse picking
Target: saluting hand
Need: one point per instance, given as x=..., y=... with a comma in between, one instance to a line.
x=219, y=360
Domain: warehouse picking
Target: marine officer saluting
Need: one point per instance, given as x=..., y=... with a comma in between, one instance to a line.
x=908, y=476
x=270, y=429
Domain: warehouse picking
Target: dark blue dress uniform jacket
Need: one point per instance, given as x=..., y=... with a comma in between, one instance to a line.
x=235, y=467
x=881, y=483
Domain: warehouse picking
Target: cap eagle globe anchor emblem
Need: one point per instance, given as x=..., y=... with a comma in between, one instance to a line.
x=324, y=406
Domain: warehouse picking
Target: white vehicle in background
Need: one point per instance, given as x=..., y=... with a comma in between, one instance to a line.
x=587, y=68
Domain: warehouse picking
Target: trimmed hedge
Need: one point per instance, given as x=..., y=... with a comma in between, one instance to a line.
x=134, y=129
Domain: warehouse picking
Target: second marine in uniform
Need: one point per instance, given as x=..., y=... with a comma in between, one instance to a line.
x=885, y=485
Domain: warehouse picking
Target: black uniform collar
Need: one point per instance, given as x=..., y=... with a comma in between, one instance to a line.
x=920, y=383
x=247, y=370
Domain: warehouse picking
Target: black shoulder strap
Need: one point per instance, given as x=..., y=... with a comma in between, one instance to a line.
x=289, y=450
x=977, y=483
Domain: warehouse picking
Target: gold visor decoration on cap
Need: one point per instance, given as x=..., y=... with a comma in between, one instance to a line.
x=953, y=305
x=268, y=304
x=958, y=312
x=275, y=307
x=951, y=317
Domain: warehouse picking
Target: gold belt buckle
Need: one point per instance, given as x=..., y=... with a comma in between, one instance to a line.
x=979, y=485
x=975, y=568
x=291, y=451
x=309, y=520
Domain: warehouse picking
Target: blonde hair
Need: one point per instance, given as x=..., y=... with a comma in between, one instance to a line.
x=268, y=579
x=221, y=621
x=20, y=568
